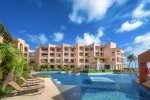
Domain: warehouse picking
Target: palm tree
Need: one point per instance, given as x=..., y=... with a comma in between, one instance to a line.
x=131, y=58
x=11, y=62
x=95, y=61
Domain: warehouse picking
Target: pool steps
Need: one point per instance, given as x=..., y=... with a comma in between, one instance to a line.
x=57, y=82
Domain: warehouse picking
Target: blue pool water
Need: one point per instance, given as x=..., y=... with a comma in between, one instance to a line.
x=115, y=87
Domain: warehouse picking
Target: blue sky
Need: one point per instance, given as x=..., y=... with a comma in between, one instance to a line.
x=43, y=22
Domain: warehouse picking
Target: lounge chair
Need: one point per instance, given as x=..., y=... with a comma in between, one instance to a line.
x=28, y=89
x=32, y=78
x=31, y=82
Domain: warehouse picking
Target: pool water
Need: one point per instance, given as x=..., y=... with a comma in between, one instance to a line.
x=80, y=87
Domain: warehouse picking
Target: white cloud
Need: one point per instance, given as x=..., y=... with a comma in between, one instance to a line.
x=120, y=2
x=127, y=26
x=140, y=44
x=58, y=36
x=42, y=39
x=139, y=12
x=90, y=38
x=84, y=10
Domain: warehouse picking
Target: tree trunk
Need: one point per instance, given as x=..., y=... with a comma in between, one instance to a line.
x=8, y=78
x=129, y=64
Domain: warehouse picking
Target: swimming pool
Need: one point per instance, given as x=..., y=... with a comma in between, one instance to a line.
x=105, y=86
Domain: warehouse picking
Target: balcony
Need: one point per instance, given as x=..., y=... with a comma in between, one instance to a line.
x=81, y=49
x=72, y=50
x=44, y=56
x=44, y=61
x=44, y=51
x=66, y=55
x=81, y=60
x=52, y=61
x=97, y=49
x=58, y=50
x=66, y=60
x=26, y=49
x=58, y=61
x=72, y=61
x=97, y=54
x=102, y=54
x=66, y=49
x=87, y=49
x=52, y=49
x=72, y=55
x=58, y=55
x=86, y=61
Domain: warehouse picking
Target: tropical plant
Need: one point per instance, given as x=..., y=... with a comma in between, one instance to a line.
x=131, y=58
x=95, y=60
x=12, y=62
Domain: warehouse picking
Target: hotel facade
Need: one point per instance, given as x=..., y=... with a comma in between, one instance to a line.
x=93, y=56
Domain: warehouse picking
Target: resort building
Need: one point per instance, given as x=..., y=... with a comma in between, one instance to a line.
x=22, y=46
x=93, y=56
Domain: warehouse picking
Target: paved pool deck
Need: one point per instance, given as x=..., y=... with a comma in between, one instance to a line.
x=146, y=84
x=50, y=92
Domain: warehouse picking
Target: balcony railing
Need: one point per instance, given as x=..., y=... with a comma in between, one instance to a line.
x=52, y=50
x=52, y=55
x=52, y=61
x=44, y=56
x=44, y=50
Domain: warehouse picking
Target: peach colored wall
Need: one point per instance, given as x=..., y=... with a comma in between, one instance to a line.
x=143, y=70
x=22, y=46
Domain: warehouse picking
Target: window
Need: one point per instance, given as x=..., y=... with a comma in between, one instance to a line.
x=113, y=53
x=113, y=59
x=102, y=54
x=86, y=61
x=101, y=49
x=58, y=61
x=58, y=50
x=57, y=55
x=72, y=55
x=72, y=61
x=66, y=54
x=52, y=49
x=52, y=54
x=65, y=60
x=72, y=50
x=86, y=54
x=52, y=60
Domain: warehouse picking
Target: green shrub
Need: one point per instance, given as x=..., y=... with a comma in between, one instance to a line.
x=98, y=70
x=128, y=68
x=91, y=71
x=57, y=69
x=116, y=71
x=108, y=70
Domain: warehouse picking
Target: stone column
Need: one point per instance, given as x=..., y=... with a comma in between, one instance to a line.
x=143, y=72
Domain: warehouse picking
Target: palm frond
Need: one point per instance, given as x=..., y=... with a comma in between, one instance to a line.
x=5, y=34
